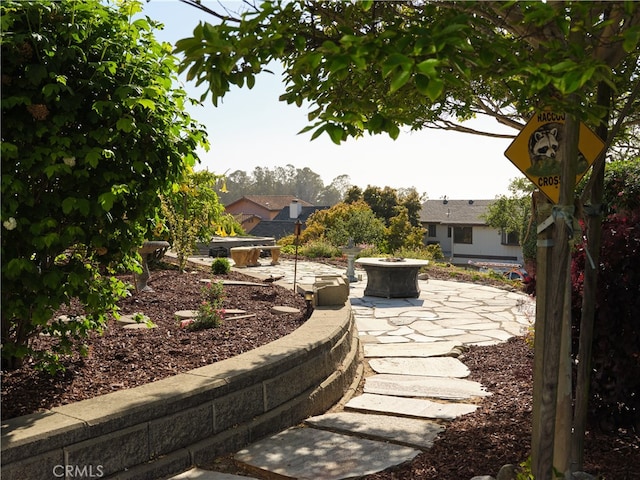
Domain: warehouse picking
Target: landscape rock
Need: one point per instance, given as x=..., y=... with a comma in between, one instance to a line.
x=507, y=472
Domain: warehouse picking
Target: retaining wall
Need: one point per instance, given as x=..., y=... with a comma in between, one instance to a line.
x=165, y=427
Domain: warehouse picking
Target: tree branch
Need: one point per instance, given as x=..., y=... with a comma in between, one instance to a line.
x=198, y=4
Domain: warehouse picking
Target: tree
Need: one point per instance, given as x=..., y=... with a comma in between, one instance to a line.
x=96, y=130
x=344, y=222
x=193, y=212
x=400, y=233
x=375, y=66
x=512, y=214
x=302, y=183
x=334, y=192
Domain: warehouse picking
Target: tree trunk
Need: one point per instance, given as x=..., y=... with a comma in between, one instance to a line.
x=551, y=311
x=593, y=245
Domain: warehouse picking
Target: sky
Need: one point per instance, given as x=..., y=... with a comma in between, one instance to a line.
x=251, y=128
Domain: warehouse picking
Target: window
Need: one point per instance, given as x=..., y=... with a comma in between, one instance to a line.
x=510, y=238
x=431, y=230
x=463, y=235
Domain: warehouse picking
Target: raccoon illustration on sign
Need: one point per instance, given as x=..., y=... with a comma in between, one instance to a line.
x=544, y=144
x=537, y=151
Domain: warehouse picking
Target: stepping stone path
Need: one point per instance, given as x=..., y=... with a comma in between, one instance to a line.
x=431, y=367
x=419, y=384
x=283, y=310
x=310, y=453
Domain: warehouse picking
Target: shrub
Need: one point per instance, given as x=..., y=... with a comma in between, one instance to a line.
x=221, y=266
x=369, y=251
x=615, y=383
x=320, y=248
x=421, y=253
x=96, y=132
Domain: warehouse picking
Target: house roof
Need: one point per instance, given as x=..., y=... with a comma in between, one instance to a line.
x=455, y=212
x=282, y=225
x=304, y=213
x=274, y=228
x=271, y=202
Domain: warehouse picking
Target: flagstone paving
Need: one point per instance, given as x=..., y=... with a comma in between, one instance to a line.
x=314, y=454
x=412, y=345
x=431, y=367
x=412, y=432
x=424, y=387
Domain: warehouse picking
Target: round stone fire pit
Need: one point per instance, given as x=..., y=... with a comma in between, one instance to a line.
x=392, y=277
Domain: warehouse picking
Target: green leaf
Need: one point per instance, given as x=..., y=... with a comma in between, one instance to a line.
x=399, y=80
x=93, y=157
x=146, y=103
x=125, y=124
x=336, y=133
x=434, y=89
x=106, y=201
x=339, y=62
x=17, y=266
x=68, y=205
x=393, y=130
x=318, y=132
x=366, y=4
x=394, y=60
x=428, y=67
x=563, y=66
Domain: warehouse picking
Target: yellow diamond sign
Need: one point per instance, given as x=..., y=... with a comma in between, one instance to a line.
x=535, y=151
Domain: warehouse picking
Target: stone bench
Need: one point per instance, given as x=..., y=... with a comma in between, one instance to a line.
x=248, y=256
x=245, y=256
x=274, y=250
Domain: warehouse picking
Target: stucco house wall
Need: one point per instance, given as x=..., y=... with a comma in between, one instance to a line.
x=441, y=218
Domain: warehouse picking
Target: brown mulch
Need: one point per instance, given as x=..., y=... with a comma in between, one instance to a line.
x=121, y=358
x=497, y=433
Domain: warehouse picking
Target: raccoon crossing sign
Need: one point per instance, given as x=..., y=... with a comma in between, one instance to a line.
x=534, y=151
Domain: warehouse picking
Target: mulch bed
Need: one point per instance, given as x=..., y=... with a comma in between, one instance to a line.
x=122, y=358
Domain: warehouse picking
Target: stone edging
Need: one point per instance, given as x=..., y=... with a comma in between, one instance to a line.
x=167, y=426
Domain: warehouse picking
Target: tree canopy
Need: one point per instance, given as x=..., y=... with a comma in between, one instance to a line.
x=93, y=130
x=375, y=66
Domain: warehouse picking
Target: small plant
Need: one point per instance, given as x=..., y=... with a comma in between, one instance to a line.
x=213, y=293
x=221, y=266
x=142, y=318
x=209, y=316
x=210, y=312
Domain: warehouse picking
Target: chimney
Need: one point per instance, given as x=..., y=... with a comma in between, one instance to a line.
x=295, y=209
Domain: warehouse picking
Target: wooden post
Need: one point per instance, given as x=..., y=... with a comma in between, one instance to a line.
x=297, y=230
x=564, y=410
x=556, y=275
x=542, y=209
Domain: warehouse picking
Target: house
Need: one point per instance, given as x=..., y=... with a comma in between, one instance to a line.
x=463, y=234
x=250, y=210
x=270, y=215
